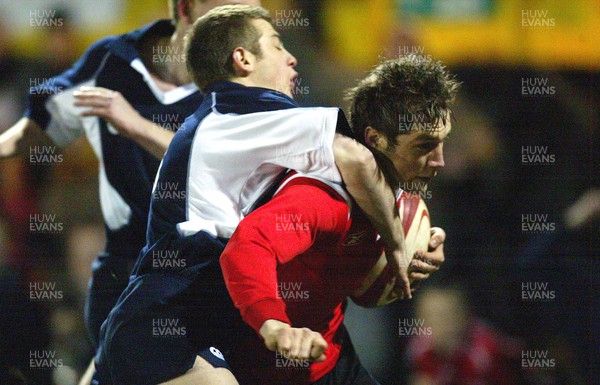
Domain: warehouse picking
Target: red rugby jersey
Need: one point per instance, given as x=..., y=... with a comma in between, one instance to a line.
x=296, y=259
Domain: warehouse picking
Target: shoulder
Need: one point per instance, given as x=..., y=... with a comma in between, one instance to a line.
x=314, y=197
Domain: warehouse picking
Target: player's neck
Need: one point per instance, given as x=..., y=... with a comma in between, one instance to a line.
x=178, y=68
x=168, y=67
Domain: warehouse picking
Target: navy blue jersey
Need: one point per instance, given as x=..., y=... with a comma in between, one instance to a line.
x=224, y=157
x=127, y=171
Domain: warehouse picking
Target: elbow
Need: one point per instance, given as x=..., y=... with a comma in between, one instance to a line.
x=352, y=157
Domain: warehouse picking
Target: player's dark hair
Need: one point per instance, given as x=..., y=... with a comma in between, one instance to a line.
x=409, y=89
x=215, y=35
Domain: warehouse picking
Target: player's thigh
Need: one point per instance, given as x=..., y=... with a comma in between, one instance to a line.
x=204, y=373
x=110, y=276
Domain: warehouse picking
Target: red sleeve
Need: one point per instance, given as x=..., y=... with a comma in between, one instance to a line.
x=302, y=212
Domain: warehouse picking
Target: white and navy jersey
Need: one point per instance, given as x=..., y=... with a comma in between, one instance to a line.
x=127, y=171
x=232, y=150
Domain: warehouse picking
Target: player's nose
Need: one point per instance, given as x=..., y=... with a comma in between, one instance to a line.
x=292, y=61
x=437, y=157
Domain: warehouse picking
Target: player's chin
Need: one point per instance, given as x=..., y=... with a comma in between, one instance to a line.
x=421, y=183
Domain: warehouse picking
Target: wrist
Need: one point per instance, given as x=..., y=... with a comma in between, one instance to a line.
x=135, y=127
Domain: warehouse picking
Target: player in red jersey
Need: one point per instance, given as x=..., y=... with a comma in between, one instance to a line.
x=300, y=238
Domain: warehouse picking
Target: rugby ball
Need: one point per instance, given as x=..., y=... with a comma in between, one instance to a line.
x=378, y=287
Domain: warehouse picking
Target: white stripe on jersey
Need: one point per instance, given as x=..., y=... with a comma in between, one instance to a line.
x=65, y=126
x=65, y=123
x=235, y=158
x=165, y=97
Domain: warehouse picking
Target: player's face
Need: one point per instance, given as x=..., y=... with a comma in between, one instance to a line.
x=418, y=155
x=275, y=68
x=199, y=8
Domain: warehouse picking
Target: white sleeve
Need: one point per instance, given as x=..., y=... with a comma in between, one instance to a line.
x=65, y=123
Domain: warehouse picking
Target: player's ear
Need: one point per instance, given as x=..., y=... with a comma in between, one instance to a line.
x=183, y=9
x=375, y=139
x=243, y=62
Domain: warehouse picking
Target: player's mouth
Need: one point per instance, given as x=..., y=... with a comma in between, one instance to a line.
x=293, y=82
x=425, y=179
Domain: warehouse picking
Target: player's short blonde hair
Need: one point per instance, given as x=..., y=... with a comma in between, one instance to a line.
x=214, y=36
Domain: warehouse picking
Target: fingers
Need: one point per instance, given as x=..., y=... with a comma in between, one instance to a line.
x=283, y=343
x=399, y=268
x=93, y=101
x=421, y=263
x=438, y=236
x=96, y=97
x=301, y=344
x=416, y=276
x=434, y=258
x=405, y=283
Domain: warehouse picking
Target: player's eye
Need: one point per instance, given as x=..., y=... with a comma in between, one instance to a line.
x=427, y=146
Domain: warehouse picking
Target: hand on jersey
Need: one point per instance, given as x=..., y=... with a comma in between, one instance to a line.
x=111, y=106
x=293, y=343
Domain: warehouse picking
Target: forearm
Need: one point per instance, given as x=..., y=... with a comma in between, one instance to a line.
x=152, y=137
x=11, y=139
x=369, y=188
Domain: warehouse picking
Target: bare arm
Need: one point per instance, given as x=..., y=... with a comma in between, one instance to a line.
x=113, y=107
x=365, y=182
x=11, y=140
x=293, y=343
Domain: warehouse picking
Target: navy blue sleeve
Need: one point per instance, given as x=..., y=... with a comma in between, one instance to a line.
x=84, y=69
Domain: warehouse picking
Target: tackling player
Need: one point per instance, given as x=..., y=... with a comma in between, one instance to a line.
x=125, y=85
x=300, y=237
x=113, y=95
x=247, y=131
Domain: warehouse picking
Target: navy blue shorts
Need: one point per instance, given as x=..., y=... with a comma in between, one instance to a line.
x=165, y=318
x=110, y=275
x=253, y=364
x=348, y=370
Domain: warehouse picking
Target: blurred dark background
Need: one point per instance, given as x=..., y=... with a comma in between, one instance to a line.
x=519, y=197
